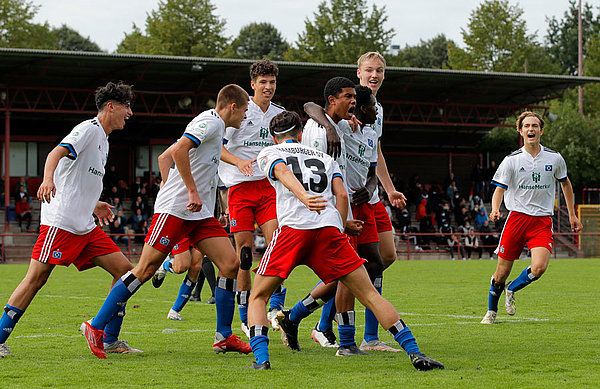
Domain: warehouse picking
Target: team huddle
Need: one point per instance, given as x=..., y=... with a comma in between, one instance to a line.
x=312, y=190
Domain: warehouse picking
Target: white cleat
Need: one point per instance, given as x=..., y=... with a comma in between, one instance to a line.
x=120, y=347
x=174, y=315
x=245, y=329
x=271, y=316
x=489, y=318
x=509, y=303
x=377, y=345
x=4, y=350
x=159, y=276
x=324, y=338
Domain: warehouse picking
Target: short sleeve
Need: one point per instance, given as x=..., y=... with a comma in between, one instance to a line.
x=314, y=136
x=267, y=159
x=77, y=140
x=561, y=169
x=199, y=130
x=502, y=177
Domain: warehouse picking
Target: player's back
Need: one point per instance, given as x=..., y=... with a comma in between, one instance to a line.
x=315, y=170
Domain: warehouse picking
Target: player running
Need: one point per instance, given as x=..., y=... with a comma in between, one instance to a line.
x=526, y=180
x=311, y=233
x=180, y=212
x=68, y=234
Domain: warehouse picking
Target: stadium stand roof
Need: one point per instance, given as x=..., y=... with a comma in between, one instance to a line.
x=424, y=108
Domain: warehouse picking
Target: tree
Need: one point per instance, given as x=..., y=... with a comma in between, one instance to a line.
x=341, y=32
x=179, y=27
x=70, y=40
x=496, y=39
x=431, y=54
x=257, y=41
x=562, y=38
x=18, y=30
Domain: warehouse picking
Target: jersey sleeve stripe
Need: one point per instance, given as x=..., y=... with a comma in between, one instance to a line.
x=373, y=164
x=225, y=141
x=337, y=175
x=193, y=139
x=563, y=179
x=70, y=148
x=271, y=175
x=496, y=183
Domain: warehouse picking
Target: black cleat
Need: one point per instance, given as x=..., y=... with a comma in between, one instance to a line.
x=422, y=362
x=159, y=277
x=289, y=330
x=347, y=351
x=266, y=365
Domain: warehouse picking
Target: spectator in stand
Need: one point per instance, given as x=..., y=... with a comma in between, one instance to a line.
x=156, y=186
x=117, y=227
x=478, y=177
x=144, y=195
x=141, y=230
x=22, y=183
x=415, y=190
x=423, y=214
x=114, y=192
x=471, y=243
x=451, y=190
x=444, y=215
x=401, y=222
x=436, y=198
x=488, y=238
x=139, y=203
x=21, y=192
x=23, y=212
x=457, y=201
x=117, y=204
x=136, y=188
x=136, y=218
x=110, y=177
x=122, y=189
x=462, y=216
x=450, y=240
x=481, y=218
x=425, y=227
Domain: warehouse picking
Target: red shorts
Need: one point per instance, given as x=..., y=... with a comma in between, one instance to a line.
x=59, y=247
x=250, y=201
x=365, y=213
x=182, y=246
x=521, y=229
x=325, y=250
x=167, y=230
x=382, y=219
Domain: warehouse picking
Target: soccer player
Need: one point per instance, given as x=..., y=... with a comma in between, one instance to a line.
x=251, y=197
x=526, y=180
x=69, y=193
x=311, y=233
x=179, y=213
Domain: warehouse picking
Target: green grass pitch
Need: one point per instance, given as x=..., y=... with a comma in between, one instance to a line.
x=552, y=341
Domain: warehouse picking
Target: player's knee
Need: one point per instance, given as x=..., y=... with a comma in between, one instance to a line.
x=538, y=269
x=245, y=258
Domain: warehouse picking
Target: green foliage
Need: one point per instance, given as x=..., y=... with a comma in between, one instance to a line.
x=562, y=37
x=17, y=29
x=496, y=39
x=257, y=41
x=341, y=31
x=591, y=68
x=48, y=351
x=179, y=27
x=70, y=40
x=432, y=54
x=499, y=142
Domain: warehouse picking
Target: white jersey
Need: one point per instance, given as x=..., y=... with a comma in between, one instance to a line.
x=315, y=170
x=361, y=154
x=206, y=131
x=315, y=136
x=530, y=182
x=378, y=128
x=247, y=141
x=78, y=179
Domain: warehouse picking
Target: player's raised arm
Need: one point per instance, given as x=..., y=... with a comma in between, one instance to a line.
x=181, y=156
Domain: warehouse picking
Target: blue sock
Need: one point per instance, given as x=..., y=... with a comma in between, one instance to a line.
x=259, y=341
x=304, y=308
x=185, y=292
x=225, y=303
x=278, y=298
x=9, y=319
x=346, y=328
x=117, y=298
x=371, y=323
x=525, y=278
x=327, y=315
x=404, y=337
x=242, y=300
x=167, y=264
x=113, y=327
x=494, y=295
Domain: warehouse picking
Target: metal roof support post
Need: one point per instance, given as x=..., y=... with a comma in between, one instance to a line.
x=6, y=167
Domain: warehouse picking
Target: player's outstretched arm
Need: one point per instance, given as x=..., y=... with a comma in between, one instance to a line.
x=316, y=113
x=181, y=156
x=47, y=190
x=567, y=190
x=243, y=165
x=496, y=202
x=397, y=199
x=289, y=180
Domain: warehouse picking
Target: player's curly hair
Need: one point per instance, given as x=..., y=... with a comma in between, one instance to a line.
x=334, y=86
x=284, y=124
x=119, y=92
x=263, y=68
x=363, y=96
x=527, y=114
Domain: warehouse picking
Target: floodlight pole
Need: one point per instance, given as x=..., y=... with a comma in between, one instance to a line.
x=580, y=57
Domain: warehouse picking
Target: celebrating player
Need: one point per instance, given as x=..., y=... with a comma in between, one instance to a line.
x=180, y=213
x=311, y=233
x=526, y=180
x=68, y=235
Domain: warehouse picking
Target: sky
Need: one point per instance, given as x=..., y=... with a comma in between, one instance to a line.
x=107, y=22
